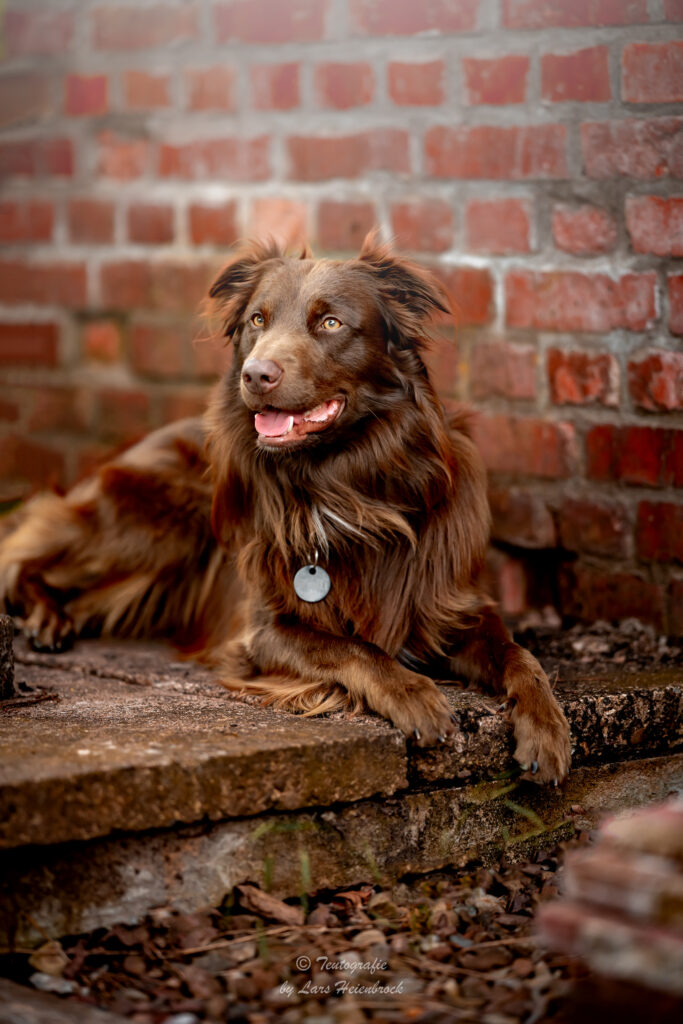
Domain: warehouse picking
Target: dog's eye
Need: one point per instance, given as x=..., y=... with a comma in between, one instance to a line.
x=330, y=323
x=257, y=319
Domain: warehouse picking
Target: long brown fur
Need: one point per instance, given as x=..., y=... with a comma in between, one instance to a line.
x=390, y=496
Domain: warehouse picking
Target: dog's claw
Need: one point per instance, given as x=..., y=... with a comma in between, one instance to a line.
x=555, y=783
x=441, y=739
x=534, y=767
x=454, y=720
x=417, y=734
x=524, y=767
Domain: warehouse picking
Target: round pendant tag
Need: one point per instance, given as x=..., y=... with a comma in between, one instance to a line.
x=311, y=583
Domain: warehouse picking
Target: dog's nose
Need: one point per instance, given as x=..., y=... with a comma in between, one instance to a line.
x=261, y=375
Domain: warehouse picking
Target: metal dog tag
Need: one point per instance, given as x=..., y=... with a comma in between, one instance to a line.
x=312, y=584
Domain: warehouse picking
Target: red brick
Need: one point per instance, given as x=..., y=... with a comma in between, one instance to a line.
x=344, y=225
x=150, y=223
x=501, y=370
x=211, y=356
x=28, y=220
x=646, y=456
x=571, y=301
x=86, y=95
x=441, y=360
x=498, y=80
x=675, y=284
x=91, y=220
x=121, y=158
x=673, y=10
x=404, y=18
x=164, y=285
x=56, y=157
x=274, y=86
x=213, y=225
x=573, y=13
x=521, y=518
x=590, y=593
x=31, y=157
x=102, y=341
x=659, y=531
x=61, y=284
x=597, y=528
x=22, y=458
x=582, y=76
x=144, y=91
x=471, y=293
x=24, y=97
x=37, y=33
x=498, y=226
x=416, y=85
x=320, y=158
x=23, y=344
x=137, y=28
x=655, y=225
x=59, y=409
x=9, y=411
x=261, y=21
x=633, y=149
x=652, y=72
x=341, y=86
x=676, y=593
x=210, y=88
x=124, y=414
x=125, y=284
x=526, y=446
x=422, y=225
x=496, y=152
x=579, y=378
x=177, y=405
x=224, y=159
x=583, y=230
x=158, y=350
x=655, y=380
x=286, y=220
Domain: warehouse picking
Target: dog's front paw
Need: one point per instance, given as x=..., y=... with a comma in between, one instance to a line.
x=421, y=711
x=543, y=748
x=48, y=630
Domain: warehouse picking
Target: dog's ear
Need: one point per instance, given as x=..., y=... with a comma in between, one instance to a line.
x=230, y=292
x=408, y=295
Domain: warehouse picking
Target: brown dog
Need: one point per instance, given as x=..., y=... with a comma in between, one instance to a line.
x=351, y=518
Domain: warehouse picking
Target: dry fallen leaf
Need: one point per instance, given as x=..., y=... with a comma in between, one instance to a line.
x=50, y=959
x=268, y=906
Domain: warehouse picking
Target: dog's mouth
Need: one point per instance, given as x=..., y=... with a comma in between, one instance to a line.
x=282, y=427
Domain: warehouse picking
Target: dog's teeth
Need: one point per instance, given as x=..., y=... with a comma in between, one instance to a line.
x=290, y=424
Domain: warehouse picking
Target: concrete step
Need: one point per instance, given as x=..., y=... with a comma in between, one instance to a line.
x=141, y=783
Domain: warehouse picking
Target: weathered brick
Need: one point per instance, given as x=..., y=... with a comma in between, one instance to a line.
x=164, y=285
x=225, y=159
x=471, y=293
x=210, y=88
x=342, y=86
x=521, y=14
x=498, y=226
x=659, y=531
x=137, y=28
x=652, y=72
x=101, y=341
x=497, y=152
x=582, y=76
x=647, y=456
x=673, y=10
x=180, y=403
x=584, y=230
x=441, y=360
x=261, y=21
x=319, y=158
x=655, y=224
x=211, y=357
x=675, y=621
x=86, y=95
x=579, y=378
x=396, y=17
x=344, y=225
x=594, y=527
x=655, y=380
x=422, y=225
x=56, y=408
x=496, y=80
x=91, y=220
x=61, y=284
x=56, y=157
x=633, y=149
x=24, y=96
x=590, y=593
x=571, y=301
x=23, y=458
x=158, y=350
x=526, y=446
x=28, y=33
x=675, y=287
x=122, y=158
x=124, y=414
x=9, y=411
x=145, y=91
x=498, y=369
x=416, y=85
x=125, y=284
x=521, y=518
x=31, y=157
x=28, y=220
x=275, y=86
x=286, y=220
x=29, y=344
x=150, y=223
x=213, y=225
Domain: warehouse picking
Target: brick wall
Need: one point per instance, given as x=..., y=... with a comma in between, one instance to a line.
x=531, y=150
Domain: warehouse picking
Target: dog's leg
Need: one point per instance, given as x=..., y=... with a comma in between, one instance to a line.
x=285, y=663
x=486, y=654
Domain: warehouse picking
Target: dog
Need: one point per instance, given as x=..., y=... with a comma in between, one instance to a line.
x=318, y=536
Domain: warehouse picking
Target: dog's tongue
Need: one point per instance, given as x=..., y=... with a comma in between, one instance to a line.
x=273, y=422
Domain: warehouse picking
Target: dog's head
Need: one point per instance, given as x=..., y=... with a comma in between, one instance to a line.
x=319, y=343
